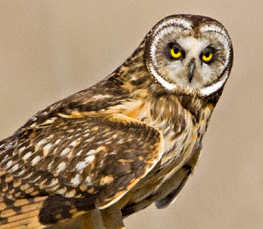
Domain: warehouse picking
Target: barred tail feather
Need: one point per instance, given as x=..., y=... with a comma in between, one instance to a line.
x=21, y=213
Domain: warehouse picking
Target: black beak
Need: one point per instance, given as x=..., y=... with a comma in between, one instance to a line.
x=191, y=71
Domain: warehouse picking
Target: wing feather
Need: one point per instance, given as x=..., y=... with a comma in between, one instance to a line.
x=90, y=161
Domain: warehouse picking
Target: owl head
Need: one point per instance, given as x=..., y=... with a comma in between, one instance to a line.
x=189, y=54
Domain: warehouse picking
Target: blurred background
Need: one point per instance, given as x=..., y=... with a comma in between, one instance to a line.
x=51, y=49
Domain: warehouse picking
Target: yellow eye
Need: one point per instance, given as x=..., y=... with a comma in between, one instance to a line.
x=206, y=57
x=175, y=53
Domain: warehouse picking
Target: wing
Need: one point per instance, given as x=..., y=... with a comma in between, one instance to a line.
x=178, y=181
x=168, y=191
x=78, y=161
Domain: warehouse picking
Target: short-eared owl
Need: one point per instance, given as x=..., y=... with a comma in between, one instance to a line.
x=129, y=141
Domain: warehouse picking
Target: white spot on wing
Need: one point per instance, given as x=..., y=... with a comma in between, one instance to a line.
x=61, y=167
x=91, y=152
x=47, y=148
x=21, y=149
x=58, y=141
x=35, y=160
x=74, y=143
x=27, y=155
x=86, y=135
x=81, y=165
x=42, y=142
x=9, y=164
x=88, y=180
x=89, y=159
x=71, y=193
x=28, y=175
x=64, y=152
x=14, y=168
x=52, y=183
x=79, y=153
x=76, y=180
x=21, y=173
x=61, y=191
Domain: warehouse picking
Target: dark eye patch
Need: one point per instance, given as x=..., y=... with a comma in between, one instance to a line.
x=208, y=55
x=175, y=48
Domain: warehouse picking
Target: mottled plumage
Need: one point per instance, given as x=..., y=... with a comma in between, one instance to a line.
x=129, y=141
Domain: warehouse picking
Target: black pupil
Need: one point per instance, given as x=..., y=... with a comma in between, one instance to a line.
x=207, y=54
x=176, y=50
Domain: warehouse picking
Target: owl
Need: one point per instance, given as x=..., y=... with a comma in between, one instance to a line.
x=130, y=140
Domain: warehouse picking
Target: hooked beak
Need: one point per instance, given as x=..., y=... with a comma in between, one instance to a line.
x=191, y=71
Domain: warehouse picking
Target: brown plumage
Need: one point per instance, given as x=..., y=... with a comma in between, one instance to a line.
x=128, y=141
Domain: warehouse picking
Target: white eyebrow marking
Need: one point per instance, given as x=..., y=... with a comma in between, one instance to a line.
x=221, y=34
x=160, y=32
x=224, y=38
x=174, y=21
x=167, y=27
x=213, y=28
x=156, y=40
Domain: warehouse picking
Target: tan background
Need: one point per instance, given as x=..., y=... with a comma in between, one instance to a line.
x=50, y=49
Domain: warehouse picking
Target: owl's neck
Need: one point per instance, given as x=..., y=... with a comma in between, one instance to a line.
x=133, y=76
